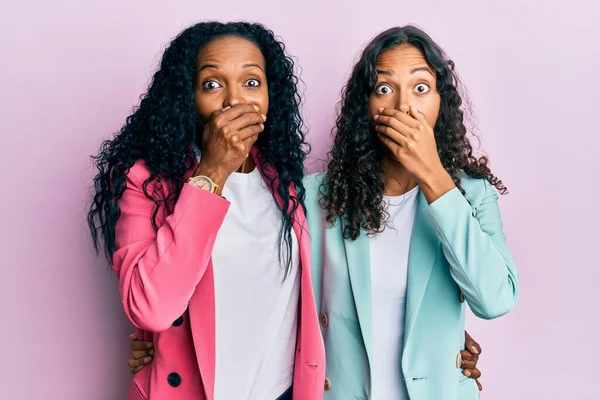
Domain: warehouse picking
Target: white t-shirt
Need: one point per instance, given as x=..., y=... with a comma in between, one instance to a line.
x=389, y=267
x=256, y=310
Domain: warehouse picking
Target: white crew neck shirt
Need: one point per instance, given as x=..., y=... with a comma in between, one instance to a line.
x=389, y=267
x=256, y=310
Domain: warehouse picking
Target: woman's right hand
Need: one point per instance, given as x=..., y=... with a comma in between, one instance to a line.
x=227, y=139
x=142, y=353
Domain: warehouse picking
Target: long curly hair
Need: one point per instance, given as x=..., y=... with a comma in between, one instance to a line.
x=164, y=128
x=353, y=187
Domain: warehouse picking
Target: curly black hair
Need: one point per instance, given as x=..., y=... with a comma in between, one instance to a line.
x=164, y=128
x=353, y=187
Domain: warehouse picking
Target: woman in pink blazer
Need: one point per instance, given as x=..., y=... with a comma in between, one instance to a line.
x=198, y=202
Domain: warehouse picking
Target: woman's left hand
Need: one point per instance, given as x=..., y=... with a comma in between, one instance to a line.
x=470, y=358
x=411, y=142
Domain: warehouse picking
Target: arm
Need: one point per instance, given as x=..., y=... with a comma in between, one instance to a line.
x=158, y=270
x=475, y=246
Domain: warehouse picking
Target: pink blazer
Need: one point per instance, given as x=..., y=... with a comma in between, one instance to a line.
x=166, y=283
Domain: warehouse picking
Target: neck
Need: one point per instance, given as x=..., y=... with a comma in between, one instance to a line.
x=396, y=178
x=247, y=166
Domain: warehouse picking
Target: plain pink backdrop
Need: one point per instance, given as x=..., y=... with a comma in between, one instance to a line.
x=70, y=72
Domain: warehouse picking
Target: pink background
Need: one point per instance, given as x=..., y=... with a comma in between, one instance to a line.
x=72, y=70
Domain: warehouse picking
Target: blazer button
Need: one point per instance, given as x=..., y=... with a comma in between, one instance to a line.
x=324, y=319
x=178, y=321
x=174, y=379
x=461, y=296
x=327, y=383
x=458, y=360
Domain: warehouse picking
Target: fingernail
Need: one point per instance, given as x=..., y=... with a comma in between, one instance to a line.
x=474, y=350
x=264, y=117
x=256, y=107
x=149, y=345
x=151, y=352
x=467, y=373
x=376, y=117
x=381, y=110
x=262, y=126
x=226, y=108
x=147, y=360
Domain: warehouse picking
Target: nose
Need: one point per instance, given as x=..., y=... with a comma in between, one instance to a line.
x=402, y=102
x=233, y=97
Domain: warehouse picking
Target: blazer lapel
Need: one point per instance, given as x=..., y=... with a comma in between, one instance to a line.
x=359, y=263
x=423, y=251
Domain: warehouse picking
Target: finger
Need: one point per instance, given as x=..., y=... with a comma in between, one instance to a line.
x=215, y=114
x=139, y=361
x=136, y=370
x=479, y=385
x=135, y=363
x=237, y=110
x=466, y=355
x=246, y=120
x=141, y=345
x=393, y=123
x=394, y=147
x=139, y=354
x=406, y=119
x=471, y=345
x=250, y=131
x=132, y=336
x=475, y=373
x=392, y=134
x=419, y=116
x=469, y=364
x=468, y=337
x=248, y=143
x=219, y=112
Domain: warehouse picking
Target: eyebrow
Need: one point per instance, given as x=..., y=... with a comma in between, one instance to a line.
x=413, y=71
x=205, y=66
x=419, y=69
x=253, y=65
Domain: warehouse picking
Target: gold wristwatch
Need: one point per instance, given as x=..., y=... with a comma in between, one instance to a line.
x=204, y=182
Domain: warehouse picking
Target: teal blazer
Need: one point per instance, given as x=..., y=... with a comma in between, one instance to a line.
x=457, y=252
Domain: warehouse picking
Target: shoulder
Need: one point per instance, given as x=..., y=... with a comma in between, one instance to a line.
x=137, y=176
x=314, y=185
x=314, y=182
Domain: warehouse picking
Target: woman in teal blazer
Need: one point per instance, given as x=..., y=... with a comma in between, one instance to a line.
x=400, y=137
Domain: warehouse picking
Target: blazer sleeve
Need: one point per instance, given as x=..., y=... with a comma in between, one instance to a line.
x=475, y=246
x=158, y=270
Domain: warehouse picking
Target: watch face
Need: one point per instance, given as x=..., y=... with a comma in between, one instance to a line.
x=203, y=183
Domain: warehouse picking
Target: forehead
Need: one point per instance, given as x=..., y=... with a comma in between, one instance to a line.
x=404, y=57
x=231, y=50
